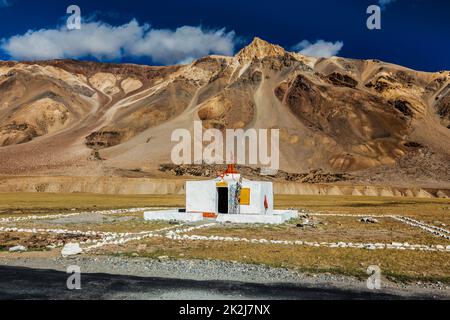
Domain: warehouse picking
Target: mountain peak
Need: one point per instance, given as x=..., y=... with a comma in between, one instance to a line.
x=260, y=49
x=258, y=42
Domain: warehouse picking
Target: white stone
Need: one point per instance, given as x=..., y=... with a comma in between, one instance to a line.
x=71, y=249
x=17, y=249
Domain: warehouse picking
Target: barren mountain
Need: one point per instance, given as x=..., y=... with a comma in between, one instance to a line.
x=379, y=122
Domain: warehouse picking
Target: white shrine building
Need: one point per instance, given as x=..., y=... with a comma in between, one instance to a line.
x=228, y=198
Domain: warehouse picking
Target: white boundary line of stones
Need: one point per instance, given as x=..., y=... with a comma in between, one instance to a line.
x=102, y=235
x=346, y=215
x=202, y=226
x=437, y=231
x=68, y=215
x=62, y=231
x=175, y=235
x=424, y=226
x=368, y=246
x=145, y=235
x=112, y=238
x=105, y=237
x=127, y=238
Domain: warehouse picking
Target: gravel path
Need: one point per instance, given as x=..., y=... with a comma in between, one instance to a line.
x=120, y=278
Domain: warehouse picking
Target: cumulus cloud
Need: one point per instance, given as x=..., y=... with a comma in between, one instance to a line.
x=103, y=41
x=184, y=44
x=95, y=39
x=320, y=48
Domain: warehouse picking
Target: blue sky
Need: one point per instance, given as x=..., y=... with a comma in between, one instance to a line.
x=415, y=33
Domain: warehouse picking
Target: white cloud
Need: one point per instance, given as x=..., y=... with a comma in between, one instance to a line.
x=320, y=48
x=94, y=39
x=103, y=41
x=184, y=44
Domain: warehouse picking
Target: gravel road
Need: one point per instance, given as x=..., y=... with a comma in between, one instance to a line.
x=138, y=278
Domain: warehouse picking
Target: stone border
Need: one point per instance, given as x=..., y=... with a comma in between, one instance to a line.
x=441, y=232
x=175, y=233
x=68, y=215
x=437, y=231
x=368, y=246
x=106, y=238
x=122, y=239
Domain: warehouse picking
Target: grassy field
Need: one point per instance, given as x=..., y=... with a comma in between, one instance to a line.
x=331, y=229
x=426, y=209
x=401, y=266
x=11, y=203
x=135, y=225
x=31, y=202
x=398, y=265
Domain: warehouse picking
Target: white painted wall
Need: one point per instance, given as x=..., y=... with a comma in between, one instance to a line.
x=201, y=196
x=267, y=190
x=258, y=189
x=255, y=198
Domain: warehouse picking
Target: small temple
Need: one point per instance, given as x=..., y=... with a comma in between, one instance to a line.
x=227, y=198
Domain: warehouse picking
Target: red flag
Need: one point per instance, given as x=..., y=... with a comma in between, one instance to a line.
x=266, y=204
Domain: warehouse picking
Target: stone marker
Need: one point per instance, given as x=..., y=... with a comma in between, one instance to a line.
x=18, y=249
x=71, y=249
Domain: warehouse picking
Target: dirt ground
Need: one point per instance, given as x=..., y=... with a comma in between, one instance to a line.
x=402, y=266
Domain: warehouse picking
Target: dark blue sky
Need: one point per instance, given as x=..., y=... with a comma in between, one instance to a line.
x=415, y=33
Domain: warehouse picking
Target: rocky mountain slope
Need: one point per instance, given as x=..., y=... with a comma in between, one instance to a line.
x=383, y=123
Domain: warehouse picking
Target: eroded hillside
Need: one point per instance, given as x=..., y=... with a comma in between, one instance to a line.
x=366, y=117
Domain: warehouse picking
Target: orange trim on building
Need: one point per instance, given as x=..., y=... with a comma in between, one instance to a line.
x=231, y=169
x=209, y=215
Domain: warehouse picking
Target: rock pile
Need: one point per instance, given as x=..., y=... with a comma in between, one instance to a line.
x=369, y=220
